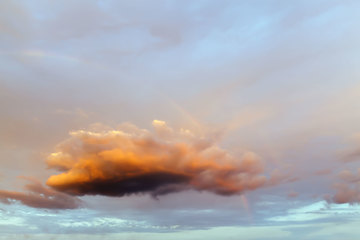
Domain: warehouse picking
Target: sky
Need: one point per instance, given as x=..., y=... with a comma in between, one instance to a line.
x=181, y=119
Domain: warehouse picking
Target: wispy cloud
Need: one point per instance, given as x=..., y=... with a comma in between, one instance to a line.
x=38, y=196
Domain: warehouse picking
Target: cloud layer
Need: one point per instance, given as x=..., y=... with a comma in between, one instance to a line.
x=39, y=196
x=132, y=161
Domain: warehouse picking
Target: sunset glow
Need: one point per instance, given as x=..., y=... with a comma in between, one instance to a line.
x=180, y=120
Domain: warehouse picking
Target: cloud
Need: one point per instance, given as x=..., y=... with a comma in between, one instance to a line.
x=348, y=190
x=293, y=194
x=130, y=160
x=39, y=196
x=346, y=194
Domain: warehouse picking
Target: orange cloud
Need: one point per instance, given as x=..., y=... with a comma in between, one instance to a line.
x=130, y=160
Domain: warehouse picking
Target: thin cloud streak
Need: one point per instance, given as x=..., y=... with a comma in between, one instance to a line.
x=38, y=196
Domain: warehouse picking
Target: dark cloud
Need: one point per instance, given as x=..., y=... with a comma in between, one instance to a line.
x=156, y=183
x=118, y=162
x=38, y=196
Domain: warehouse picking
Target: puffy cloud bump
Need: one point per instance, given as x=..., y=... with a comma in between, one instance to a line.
x=348, y=190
